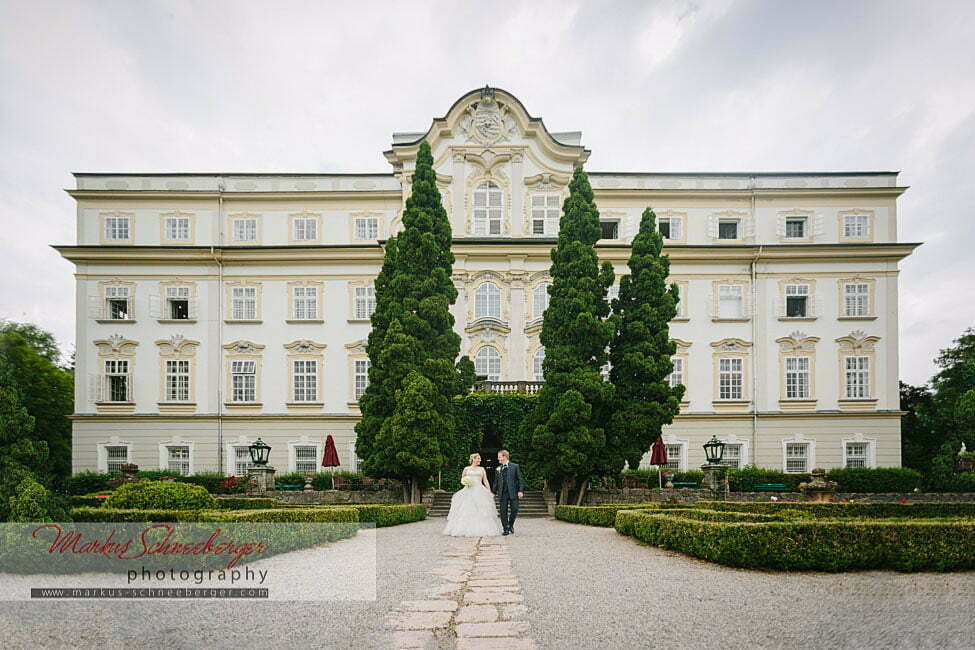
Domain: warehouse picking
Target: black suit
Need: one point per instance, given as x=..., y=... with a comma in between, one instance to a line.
x=507, y=485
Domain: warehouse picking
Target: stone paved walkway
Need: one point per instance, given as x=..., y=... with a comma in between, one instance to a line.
x=477, y=606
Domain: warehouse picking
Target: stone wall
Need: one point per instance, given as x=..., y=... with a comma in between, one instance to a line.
x=337, y=496
x=684, y=495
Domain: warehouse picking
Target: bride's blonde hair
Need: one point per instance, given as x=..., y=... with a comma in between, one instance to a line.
x=471, y=459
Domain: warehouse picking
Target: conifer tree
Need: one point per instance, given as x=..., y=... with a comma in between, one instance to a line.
x=567, y=426
x=641, y=351
x=415, y=289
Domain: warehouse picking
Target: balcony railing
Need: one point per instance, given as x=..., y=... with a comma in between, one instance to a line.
x=504, y=387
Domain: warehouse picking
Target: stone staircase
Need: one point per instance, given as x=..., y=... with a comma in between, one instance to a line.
x=532, y=505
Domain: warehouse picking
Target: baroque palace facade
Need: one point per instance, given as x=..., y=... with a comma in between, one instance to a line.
x=213, y=309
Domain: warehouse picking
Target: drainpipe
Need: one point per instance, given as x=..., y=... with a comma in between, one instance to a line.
x=754, y=320
x=219, y=345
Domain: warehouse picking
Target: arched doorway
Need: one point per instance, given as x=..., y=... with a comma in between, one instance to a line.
x=490, y=444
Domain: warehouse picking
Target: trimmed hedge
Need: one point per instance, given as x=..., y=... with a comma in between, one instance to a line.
x=810, y=545
x=87, y=482
x=390, y=515
x=286, y=515
x=103, y=514
x=247, y=503
x=848, y=510
x=604, y=515
x=878, y=479
x=160, y=495
x=746, y=478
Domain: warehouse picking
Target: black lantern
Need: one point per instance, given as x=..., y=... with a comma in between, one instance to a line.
x=714, y=451
x=259, y=453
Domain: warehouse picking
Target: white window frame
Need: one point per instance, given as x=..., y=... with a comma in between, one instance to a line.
x=731, y=291
x=293, y=456
x=797, y=290
x=102, y=453
x=364, y=301
x=304, y=228
x=538, y=364
x=728, y=371
x=487, y=301
x=366, y=228
x=244, y=229
x=360, y=377
x=243, y=303
x=180, y=294
x=118, y=294
x=728, y=221
x=856, y=226
x=115, y=367
x=810, y=453
x=304, y=381
x=858, y=299
x=800, y=386
x=860, y=387
x=304, y=302
x=177, y=228
x=178, y=380
x=540, y=300
x=116, y=226
x=164, y=456
x=619, y=229
x=231, y=457
x=488, y=200
x=675, y=228
x=870, y=458
x=545, y=212
x=682, y=461
x=243, y=368
x=741, y=454
x=804, y=227
x=676, y=377
x=484, y=357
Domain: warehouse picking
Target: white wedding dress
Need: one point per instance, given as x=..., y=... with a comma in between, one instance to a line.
x=472, y=510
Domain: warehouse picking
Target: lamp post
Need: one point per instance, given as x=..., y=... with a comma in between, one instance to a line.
x=713, y=469
x=260, y=473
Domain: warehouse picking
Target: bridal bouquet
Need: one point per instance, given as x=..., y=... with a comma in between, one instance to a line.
x=467, y=481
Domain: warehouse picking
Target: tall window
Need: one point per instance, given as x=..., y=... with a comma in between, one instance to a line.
x=856, y=225
x=487, y=301
x=796, y=377
x=795, y=227
x=545, y=214
x=244, y=303
x=796, y=457
x=361, y=378
x=365, y=302
x=367, y=228
x=540, y=300
x=856, y=299
x=178, y=302
x=669, y=227
x=245, y=229
x=730, y=378
x=305, y=380
x=117, y=303
x=116, y=455
x=730, y=301
x=116, y=228
x=305, y=228
x=676, y=378
x=856, y=454
x=178, y=228
x=537, y=365
x=178, y=460
x=242, y=460
x=305, y=303
x=732, y=455
x=857, y=377
x=488, y=199
x=796, y=300
x=728, y=228
x=243, y=376
x=306, y=459
x=488, y=362
x=177, y=380
x=675, y=457
x=117, y=380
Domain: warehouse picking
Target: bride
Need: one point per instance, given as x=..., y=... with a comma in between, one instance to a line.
x=472, y=509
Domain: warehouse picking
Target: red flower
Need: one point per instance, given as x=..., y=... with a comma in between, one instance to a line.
x=903, y=500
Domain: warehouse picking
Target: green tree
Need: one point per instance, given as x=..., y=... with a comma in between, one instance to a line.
x=641, y=351
x=408, y=444
x=919, y=443
x=414, y=289
x=22, y=457
x=42, y=342
x=33, y=502
x=568, y=425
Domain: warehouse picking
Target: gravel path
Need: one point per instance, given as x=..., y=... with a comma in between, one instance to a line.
x=588, y=587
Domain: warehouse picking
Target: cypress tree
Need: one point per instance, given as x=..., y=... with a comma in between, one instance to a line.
x=568, y=424
x=415, y=289
x=641, y=350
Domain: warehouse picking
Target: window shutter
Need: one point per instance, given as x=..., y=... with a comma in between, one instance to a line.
x=780, y=227
x=777, y=306
x=96, y=307
x=712, y=307
x=192, y=308
x=749, y=227
x=815, y=305
x=713, y=227
x=818, y=226
x=676, y=224
x=94, y=387
x=155, y=307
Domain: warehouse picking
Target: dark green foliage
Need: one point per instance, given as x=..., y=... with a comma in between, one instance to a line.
x=86, y=501
x=746, y=478
x=604, y=515
x=412, y=327
x=247, y=503
x=32, y=502
x=568, y=436
x=653, y=480
x=22, y=456
x=877, y=479
x=641, y=351
x=216, y=482
x=87, y=482
x=961, y=482
x=286, y=515
x=505, y=414
x=160, y=495
x=846, y=510
x=391, y=515
x=104, y=514
x=29, y=365
x=919, y=443
x=810, y=545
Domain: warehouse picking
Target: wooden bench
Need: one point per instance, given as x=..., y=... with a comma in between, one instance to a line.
x=771, y=487
x=685, y=484
x=288, y=487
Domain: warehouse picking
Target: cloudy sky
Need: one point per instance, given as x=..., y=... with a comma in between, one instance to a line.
x=320, y=86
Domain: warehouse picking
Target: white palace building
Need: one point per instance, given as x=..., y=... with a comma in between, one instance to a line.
x=213, y=309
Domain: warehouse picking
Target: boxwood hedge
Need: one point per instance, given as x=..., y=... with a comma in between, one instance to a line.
x=164, y=495
x=390, y=515
x=847, y=510
x=604, y=515
x=810, y=545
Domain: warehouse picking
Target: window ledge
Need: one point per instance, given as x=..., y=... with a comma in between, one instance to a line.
x=718, y=240
x=797, y=404
x=176, y=403
x=174, y=321
x=730, y=320
x=115, y=320
x=797, y=318
x=352, y=404
x=299, y=321
x=726, y=405
x=114, y=403
x=243, y=405
x=317, y=405
x=864, y=404
x=231, y=321
x=680, y=319
x=360, y=320
x=795, y=240
x=854, y=318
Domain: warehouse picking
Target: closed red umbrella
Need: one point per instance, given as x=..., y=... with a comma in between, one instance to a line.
x=658, y=457
x=331, y=457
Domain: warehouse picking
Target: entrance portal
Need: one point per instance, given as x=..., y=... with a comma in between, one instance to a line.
x=490, y=445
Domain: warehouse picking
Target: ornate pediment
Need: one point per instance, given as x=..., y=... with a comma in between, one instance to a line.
x=547, y=181
x=731, y=345
x=797, y=342
x=356, y=347
x=857, y=341
x=304, y=346
x=116, y=344
x=176, y=344
x=243, y=347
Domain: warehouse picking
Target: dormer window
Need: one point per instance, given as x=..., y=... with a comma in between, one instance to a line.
x=488, y=211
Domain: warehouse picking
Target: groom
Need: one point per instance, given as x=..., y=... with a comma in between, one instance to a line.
x=507, y=485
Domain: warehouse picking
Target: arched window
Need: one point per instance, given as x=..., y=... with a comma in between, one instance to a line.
x=487, y=301
x=537, y=363
x=488, y=200
x=540, y=300
x=488, y=362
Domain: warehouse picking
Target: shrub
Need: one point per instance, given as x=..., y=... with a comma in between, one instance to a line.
x=391, y=515
x=848, y=510
x=604, y=515
x=286, y=515
x=963, y=482
x=32, y=502
x=878, y=479
x=217, y=482
x=745, y=479
x=157, y=474
x=87, y=482
x=96, y=515
x=247, y=503
x=294, y=478
x=653, y=480
x=160, y=495
x=810, y=545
